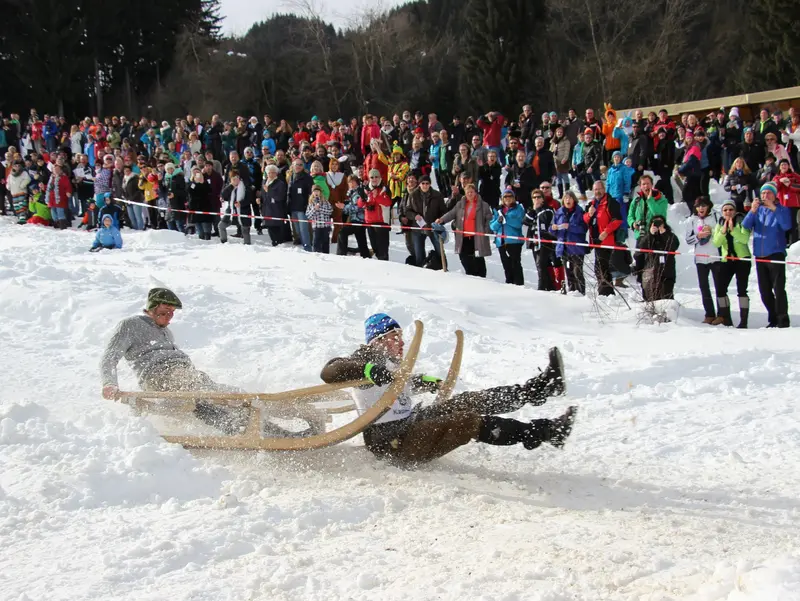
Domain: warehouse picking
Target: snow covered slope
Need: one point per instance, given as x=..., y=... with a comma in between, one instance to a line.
x=680, y=481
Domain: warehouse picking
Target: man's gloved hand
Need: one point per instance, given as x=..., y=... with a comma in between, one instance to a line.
x=378, y=374
x=428, y=383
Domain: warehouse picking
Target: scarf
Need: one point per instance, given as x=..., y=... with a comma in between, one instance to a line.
x=334, y=178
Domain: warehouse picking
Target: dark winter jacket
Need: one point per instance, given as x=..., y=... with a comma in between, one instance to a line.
x=430, y=206
x=639, y=151
x=273, y=200
x=663, y=264
x=489, y=183
x=664, y=157
x=544, y=167
x=539, y=222
x=200, y=200
x=299, y=191
x=524, y=176
x=753, y=155
x=737, y=183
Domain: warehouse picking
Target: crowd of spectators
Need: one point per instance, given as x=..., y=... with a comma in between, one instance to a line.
x=319, y=183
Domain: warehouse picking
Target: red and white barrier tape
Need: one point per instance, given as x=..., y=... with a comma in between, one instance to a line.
x=491, y=234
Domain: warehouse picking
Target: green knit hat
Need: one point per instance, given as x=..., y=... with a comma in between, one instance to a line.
x=162, y=296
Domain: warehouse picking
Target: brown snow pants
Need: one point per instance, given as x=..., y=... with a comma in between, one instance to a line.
x=436, y=430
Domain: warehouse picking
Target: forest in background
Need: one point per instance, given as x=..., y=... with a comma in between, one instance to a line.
x=163, y=59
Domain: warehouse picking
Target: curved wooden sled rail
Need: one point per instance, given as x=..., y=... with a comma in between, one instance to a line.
x=445, y=390
x=251, y=439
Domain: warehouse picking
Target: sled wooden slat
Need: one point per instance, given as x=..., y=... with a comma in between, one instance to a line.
x=445, y=390
x=245, y=397
x=449, y=383
x=251, y=439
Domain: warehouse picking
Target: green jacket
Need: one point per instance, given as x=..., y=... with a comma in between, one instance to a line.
x=741, y=237
x=39, y=208
x=642, y=210
x=320, y=181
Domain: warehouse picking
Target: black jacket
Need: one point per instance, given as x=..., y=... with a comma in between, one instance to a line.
x=539, y=222
x=430, y=206
x=664, y=157
x=489, y=183
x=639, y=151
x=547, y=166
x=525, y=176
x=299, y=191
x=200, y=200
x=273, y=200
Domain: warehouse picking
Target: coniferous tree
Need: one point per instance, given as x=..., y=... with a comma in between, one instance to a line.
x=772, y=55
x=498, y=66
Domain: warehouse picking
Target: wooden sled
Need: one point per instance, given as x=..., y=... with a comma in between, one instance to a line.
x=445, y=390
x=283, y=404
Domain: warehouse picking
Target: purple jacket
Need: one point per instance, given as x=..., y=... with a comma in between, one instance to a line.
x=575, y=233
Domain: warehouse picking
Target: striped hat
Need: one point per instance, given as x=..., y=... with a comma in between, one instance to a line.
x=769, y=187
x=379, y=325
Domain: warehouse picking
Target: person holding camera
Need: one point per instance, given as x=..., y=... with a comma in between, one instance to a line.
x=769, y=222
x=732, y=240
x=658, y=268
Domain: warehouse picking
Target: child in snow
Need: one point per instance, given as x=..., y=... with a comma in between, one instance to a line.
x=319, y=212
x=40, y=213
x=89, y=220
x=108, y=235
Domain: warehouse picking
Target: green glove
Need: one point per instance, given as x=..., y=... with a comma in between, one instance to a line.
x=429, y=383
x=377, y=374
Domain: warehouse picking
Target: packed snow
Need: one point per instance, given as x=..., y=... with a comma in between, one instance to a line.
x=680, y=480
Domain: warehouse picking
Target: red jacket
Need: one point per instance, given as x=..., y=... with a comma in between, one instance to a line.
x=301, y=136
x=321, y=139
x=368, y=133
x=373, y=161
x=64, y=192
x=37, y=130
x=607, y=218
x=377, y=207
x=492, y=132
x=788, y=196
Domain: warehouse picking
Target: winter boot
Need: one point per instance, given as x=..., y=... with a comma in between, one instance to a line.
x=723, y=313
x=551, y=381
x=744, y=312
x=500, y=431
x=620, y=283
x=561, y=428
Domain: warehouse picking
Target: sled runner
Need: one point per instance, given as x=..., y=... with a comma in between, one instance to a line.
x=289, y=404
x=445, y=390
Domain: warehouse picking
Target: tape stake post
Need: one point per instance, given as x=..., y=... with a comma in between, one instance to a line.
x=491, y=235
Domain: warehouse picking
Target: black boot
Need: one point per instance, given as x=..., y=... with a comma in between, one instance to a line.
x=744, y=312
x=561, y=428
x=500, y=431
x=551, y=381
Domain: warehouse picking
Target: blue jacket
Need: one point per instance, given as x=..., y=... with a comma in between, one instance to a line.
x=769, y=230
x=575, y=233
x=434, y=151
x=269, y=143
x=512, y=226
x=107, y=236
x=50, y=129
x=621, y=135
x=618, y=180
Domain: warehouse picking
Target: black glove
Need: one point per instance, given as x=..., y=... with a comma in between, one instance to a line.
x=378, y=374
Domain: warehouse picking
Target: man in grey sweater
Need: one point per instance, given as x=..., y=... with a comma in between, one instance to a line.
x=147, y=344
